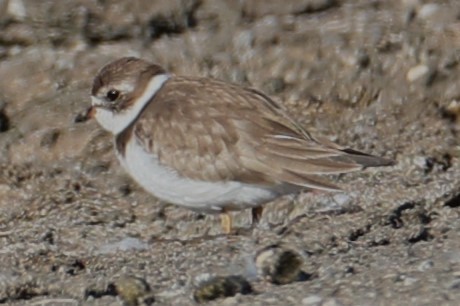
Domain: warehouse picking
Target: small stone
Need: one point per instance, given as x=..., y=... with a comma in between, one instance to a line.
x=278, y=265
x=16, y=9
x=425, y=265
x=220, y=287
x=275, y=85
x=331, y=302
x=341, y=199
x=408, y=281
x=452, y=111
x=203, y=278
x=428, y=10
x=312, y=300
x=126, y=244
x=243, y=40
x=454, y=106
x=420, y=161
x=417, y=72
x=132, y=290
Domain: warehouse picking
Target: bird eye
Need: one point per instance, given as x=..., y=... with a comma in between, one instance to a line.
x=112, y=95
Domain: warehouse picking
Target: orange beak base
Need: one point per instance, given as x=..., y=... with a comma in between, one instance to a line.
x=90, y=113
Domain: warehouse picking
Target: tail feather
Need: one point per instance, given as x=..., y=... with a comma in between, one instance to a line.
x=366, y=160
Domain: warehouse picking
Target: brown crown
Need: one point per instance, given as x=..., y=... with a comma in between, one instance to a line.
x=125, y=68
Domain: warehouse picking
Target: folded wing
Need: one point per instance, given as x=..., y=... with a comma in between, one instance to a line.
x=209, y=130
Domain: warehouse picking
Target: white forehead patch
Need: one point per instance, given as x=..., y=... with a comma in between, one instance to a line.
x=117, y=122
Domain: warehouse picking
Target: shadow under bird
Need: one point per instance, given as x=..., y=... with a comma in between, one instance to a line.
x=211, y=146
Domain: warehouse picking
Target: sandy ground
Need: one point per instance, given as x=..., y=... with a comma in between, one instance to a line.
x=379, y=76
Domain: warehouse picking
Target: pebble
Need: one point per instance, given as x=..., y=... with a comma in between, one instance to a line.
x=16, y=9
x=428, y=10
x=312, y=300
x=420, y=161
x=132, y=290
x=275, y=85
x=425, y=265
x=452, y=110
x=220, y=287
x=126, y=244
x=331, y=302
x=408, y=281
x=243, y=40
x=417, y=72
x=279, y=265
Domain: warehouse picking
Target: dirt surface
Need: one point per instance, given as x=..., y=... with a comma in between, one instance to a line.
x=379, y=76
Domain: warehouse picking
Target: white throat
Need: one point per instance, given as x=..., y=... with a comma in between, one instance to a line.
x=117, y=122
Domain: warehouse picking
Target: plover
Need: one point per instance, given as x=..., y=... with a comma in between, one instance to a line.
x=211, y=146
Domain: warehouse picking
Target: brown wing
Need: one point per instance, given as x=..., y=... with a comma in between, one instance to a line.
x=209, y=130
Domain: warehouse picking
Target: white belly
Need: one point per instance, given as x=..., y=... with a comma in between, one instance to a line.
x=202, y=196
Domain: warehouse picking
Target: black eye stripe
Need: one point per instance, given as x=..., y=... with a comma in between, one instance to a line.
x=112, y=95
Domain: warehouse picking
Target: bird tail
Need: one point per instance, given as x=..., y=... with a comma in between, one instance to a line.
x=366, y=160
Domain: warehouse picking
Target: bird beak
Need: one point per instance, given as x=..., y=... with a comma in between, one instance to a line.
x=90, y=113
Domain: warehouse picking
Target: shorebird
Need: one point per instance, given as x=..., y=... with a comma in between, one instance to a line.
x=211, y=146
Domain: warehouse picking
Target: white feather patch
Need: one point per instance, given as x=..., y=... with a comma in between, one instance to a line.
x=117, y=122
x=169, y=186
